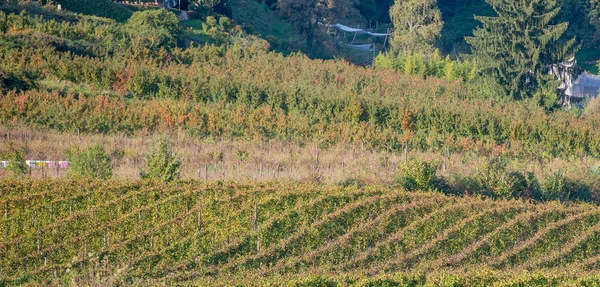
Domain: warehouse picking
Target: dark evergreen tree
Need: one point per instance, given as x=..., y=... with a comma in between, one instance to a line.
x=517, y=45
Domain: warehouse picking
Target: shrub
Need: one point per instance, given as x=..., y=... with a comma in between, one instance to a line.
x=418, y=175
x=92, y=162
x=152, y=30
x=224, y=22
x=498, y=182
x=16, y=161
x=212, y=4
x=211, y=21
x=161, y=162
x=557, y=186
x=12, y=81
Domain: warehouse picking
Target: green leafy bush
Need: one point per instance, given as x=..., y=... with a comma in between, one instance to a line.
x=224, y=22
x=162, y=163
x=557, y=186
x=91, y=162
x=211, y=21
x=152, y=30
x=496, y=181
x=16, y=161
x=418, y=175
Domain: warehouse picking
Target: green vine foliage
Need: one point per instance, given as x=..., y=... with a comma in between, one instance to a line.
x=119, y=232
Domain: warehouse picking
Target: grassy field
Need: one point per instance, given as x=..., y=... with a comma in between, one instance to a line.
x=101, y=8
x=588, y=59
x=221, y=158
x=147, y=233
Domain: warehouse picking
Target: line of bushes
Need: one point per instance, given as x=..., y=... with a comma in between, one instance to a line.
x=494, y=180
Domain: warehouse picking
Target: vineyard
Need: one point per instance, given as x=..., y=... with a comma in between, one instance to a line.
x=146, y=233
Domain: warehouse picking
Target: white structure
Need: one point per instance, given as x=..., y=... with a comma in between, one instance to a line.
x=585, y=86
x=575, y=85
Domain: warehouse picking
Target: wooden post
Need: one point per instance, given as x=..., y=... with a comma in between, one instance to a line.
x=205, y=172
x=258, y=241
x=222, y=171
x=255, y=219
x=444, y=165
x=71, y=207
x=200, y=219
x=278, y=167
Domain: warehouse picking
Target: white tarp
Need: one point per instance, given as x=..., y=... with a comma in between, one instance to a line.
x=586, y=85
x=359, y=31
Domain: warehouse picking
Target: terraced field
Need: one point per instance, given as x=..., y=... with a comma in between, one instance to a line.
x=192, y=233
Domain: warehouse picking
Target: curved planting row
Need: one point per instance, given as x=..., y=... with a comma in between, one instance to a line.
x=195, y=232
x=362, y=236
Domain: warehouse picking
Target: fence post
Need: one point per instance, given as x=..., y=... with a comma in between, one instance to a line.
x=258, y=241
x=205, y=172
x=255, y=219
x=200, y=219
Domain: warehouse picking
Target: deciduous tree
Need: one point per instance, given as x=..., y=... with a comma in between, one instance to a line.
x=417, y=25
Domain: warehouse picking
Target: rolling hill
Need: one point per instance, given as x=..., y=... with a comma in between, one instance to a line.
x=144, y=233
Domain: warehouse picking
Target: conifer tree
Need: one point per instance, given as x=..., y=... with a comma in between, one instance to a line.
x=516, y=46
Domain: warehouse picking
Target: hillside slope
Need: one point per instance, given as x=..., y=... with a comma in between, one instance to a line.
x=101, y=8
x=195, y=233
